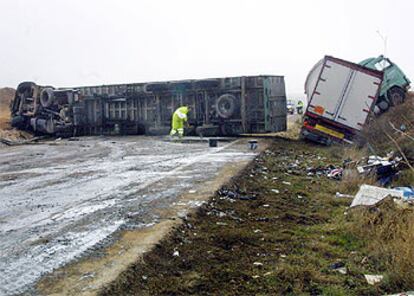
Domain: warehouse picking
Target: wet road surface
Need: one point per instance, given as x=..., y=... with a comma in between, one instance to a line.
x=60, y=200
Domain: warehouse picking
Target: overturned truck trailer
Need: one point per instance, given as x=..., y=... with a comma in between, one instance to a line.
x=221, y=106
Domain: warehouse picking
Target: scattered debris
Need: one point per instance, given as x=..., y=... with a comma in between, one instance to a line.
x=385, y=168
x=253, y=144
x=339, y=267
x=370, y=195
x=221, y=223
x=329, y=171
x=335, y=174
x=408, y=192
x=176, y=254
x=258, y=264
x=342, y=270
x=275, y=191
x=341, y=195
x=373, y=279
x=234, y=195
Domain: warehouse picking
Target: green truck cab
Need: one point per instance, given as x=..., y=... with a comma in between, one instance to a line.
x=394, y=86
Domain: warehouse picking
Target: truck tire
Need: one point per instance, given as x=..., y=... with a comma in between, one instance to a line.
x=25, y=86
x=47, y=97
x=396, y=95
x=225, y=106
x=19, y=122
x=383, y=105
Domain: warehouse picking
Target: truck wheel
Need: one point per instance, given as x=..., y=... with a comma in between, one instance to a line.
x=46, y=97
x=383, y=106
x=26, y=87
x=225, y=106
x=19, y=122
x=396, y=95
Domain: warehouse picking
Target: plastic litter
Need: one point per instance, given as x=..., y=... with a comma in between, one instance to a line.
x=335, y=174
x=329, y=171
x=373, y=279
x=408, y=192
x=341, y=195
x=385, y=168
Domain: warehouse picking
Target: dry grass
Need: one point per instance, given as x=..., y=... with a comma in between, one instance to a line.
x=352, y=180
x=6, y=131
x=6, y=95
x=383, y=137
x=388, y=231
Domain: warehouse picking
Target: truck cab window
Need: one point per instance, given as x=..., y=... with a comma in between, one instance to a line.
x=382, y=64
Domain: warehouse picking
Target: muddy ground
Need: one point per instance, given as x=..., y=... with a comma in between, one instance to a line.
x=65, y=200
x=274, y=229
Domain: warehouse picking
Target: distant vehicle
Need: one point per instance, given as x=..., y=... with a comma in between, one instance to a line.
x=219, y=106
x=299, y=107
x=290, y=106
x=341, y=96
x=394, y=86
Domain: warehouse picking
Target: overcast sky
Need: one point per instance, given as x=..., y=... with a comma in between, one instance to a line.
x=88, y=42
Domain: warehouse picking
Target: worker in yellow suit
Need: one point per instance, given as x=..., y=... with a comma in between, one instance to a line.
x=179, y=118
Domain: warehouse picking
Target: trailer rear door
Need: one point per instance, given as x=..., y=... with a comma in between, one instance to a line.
x=344, y=92
x=358, y=100
x=274, y=103
x=329, y=89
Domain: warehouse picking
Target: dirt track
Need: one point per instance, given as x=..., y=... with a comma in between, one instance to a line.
x=64, y=200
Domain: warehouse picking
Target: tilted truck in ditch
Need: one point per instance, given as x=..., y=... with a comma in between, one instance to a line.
x=394, y=86
x=341, y=96
x=221, y=106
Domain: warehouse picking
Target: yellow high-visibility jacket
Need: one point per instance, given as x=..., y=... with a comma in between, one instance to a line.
x=179, y=117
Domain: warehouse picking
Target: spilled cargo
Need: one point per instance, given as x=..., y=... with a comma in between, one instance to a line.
x=221, y=106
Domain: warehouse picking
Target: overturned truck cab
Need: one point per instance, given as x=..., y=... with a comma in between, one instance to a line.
x=220, y=106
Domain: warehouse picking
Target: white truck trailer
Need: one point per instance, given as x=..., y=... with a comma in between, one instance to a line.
x=341, y=96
